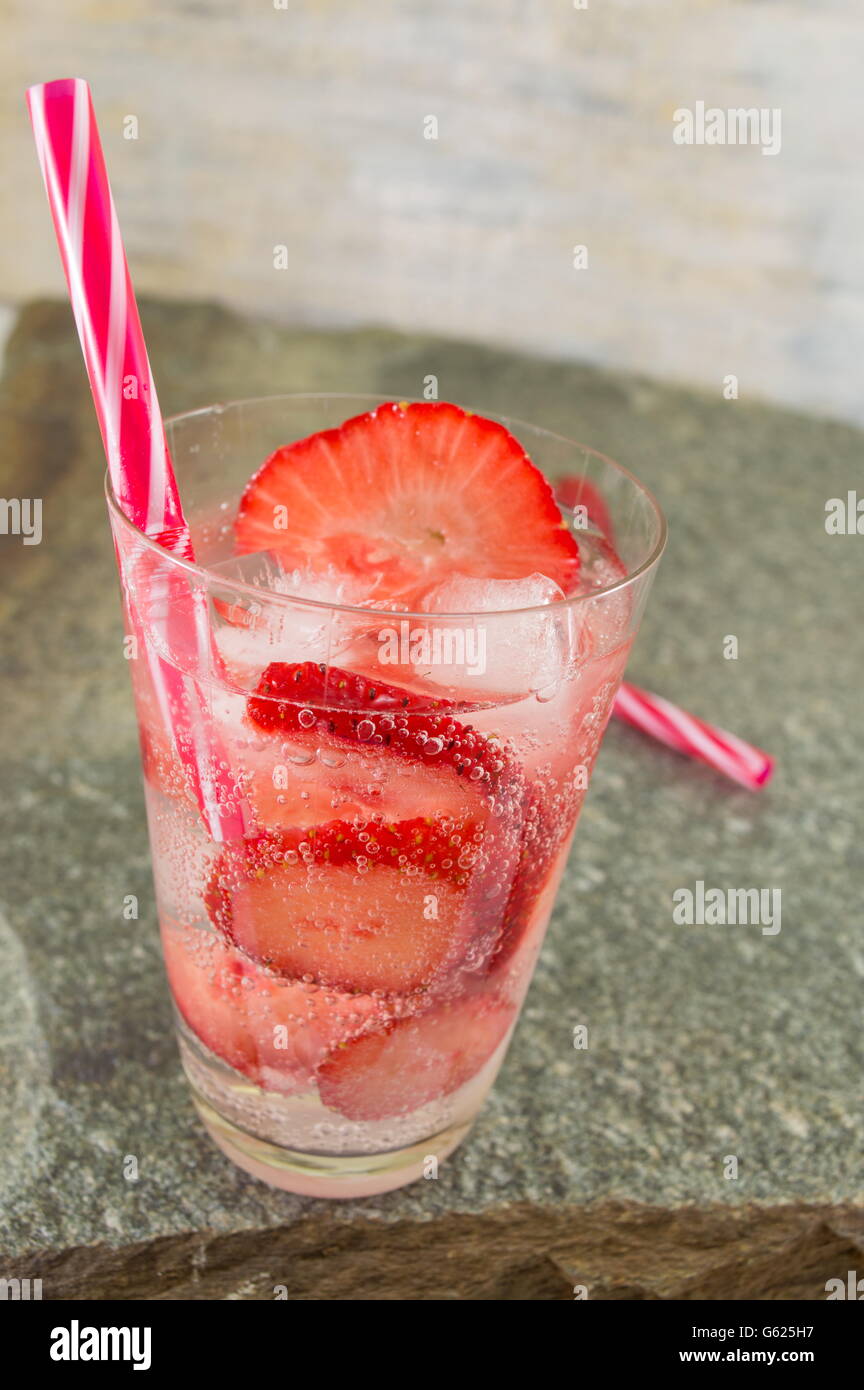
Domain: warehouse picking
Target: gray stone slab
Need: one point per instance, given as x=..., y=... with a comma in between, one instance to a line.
x=704, y=1041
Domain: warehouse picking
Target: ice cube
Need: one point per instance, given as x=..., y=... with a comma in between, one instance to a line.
x=261, y=569
x=250, y=633
x=462, y=593
x=527, y=653
x=264, y=570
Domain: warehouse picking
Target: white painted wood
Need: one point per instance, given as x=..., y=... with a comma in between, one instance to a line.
x=304, y=127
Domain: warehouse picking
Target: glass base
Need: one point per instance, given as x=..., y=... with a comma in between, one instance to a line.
x=322, y=1175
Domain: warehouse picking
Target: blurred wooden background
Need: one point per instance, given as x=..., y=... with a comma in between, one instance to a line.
x=305, y=127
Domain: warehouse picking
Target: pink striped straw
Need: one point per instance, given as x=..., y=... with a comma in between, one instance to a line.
x=139, y=465
x=685, y=733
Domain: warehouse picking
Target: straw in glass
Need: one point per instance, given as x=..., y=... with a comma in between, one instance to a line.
x=109, y=327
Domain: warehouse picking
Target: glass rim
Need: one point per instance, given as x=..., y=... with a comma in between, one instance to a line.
x=205, y=576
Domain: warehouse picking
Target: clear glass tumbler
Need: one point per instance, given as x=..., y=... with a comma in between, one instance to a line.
x=347, y=977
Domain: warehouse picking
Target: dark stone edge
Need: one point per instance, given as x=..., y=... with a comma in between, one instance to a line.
x=616, y=1250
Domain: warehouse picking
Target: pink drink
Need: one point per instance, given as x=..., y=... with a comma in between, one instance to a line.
x=347, y=979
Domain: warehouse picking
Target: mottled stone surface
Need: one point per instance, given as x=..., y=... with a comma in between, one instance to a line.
x=704, y=1041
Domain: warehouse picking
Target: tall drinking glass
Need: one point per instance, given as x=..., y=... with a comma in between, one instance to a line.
x=412, y=783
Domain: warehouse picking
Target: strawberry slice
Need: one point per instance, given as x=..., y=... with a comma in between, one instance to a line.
x=315, y=901
x=157, y=762
x=404, y=496
x=389, y=909
x=276, y=1032
x=313, y=683
x=299, y=781
x=349, y=746
x=540, y=865
x=414, y=1060
x=385, y=720
x=576, y=491
x=308, y=779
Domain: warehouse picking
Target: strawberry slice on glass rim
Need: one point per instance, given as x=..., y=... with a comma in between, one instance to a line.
x=405, y=495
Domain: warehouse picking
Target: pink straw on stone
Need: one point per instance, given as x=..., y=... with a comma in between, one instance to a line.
x=685, y=733
x=139, y=465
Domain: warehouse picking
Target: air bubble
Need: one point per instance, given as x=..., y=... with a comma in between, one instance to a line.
x=300, y=759
x=330, y=758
